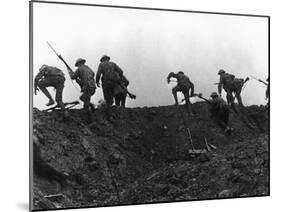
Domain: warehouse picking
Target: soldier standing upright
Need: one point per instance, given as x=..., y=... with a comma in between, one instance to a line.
x=49, y=76
x=85, y=77
x=184, y=85
x=111, y=78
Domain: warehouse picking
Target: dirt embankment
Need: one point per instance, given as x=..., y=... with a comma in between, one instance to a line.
x=141, y=155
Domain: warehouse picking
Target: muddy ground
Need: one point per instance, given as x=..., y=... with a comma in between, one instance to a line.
x=140, y=155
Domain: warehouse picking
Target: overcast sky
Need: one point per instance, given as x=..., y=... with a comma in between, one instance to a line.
x=148, y=45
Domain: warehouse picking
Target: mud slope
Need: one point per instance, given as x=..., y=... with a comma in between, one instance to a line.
x=141, y=155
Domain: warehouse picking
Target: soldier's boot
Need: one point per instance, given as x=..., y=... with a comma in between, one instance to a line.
x=51, y=102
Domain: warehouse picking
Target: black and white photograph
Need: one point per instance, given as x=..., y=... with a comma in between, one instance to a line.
x=136, y=105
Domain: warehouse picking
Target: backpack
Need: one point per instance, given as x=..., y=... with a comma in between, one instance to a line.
x=111, y=72
x=53, y=71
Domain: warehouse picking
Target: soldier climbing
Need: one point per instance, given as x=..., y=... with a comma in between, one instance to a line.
x=231, y=85
x=85, y=76
x=49, y=76
x=184, y=85
x=111, y=77
x=219, y=111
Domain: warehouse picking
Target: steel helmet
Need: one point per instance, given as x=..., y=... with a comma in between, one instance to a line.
x=214, y=94
x=104, y=57
x=180, y=72
x=43, y=67
x=80, y=60
x=221, y=71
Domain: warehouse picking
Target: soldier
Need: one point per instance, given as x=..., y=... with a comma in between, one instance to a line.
x=184, y=85
x=85, y=78
x=49, y=76
x=111, y=78
x=120, y=92
x=231, y=85
x=220, y=112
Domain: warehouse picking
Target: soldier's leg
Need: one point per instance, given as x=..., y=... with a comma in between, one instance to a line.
x=108, y=94
x=92, y=92
x=187, y=101
x=42, y=84
x=238, y=97
x=87, y=100
x=123, y=100
x=174, y=92
x=230, y=100
x=59, y=90
x=117, y=100
x=229, y=97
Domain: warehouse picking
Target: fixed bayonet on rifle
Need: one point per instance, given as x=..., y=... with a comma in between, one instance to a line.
x=259, y=80
x=70, y=72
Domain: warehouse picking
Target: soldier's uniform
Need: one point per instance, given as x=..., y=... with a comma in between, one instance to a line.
x=184, y=85
x=49, y=76
x=120, y=92
x=219, y=110
x=86, y=78
x=111, y=74
x=231, y=85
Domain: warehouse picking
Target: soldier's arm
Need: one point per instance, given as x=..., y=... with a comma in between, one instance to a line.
x=74, y=75
x=126, y=81
x=220, y=86
x=38, y=77
x=99, y=72
x=172, y=74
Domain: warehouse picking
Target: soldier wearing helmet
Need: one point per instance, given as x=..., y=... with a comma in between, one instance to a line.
x=231, y=85
x=220, y=112
x=110, y=74
x=184, y=85
x=86, y=79
x=50, y=76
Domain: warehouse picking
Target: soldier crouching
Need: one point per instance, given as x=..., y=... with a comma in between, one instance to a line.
x=49, y=76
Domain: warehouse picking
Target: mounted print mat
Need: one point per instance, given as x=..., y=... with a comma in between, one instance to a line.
x=143, y=105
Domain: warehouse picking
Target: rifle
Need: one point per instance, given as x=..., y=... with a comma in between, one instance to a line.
x=70, y=71
x=132, y=96
x=259, y=80
x=200, y=96
x=74, y=103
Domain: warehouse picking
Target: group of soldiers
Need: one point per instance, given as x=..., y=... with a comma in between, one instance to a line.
x=114, y=83
x=219, y=109
x=114, y=87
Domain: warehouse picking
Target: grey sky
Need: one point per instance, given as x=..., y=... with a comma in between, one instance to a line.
x=148, y=45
